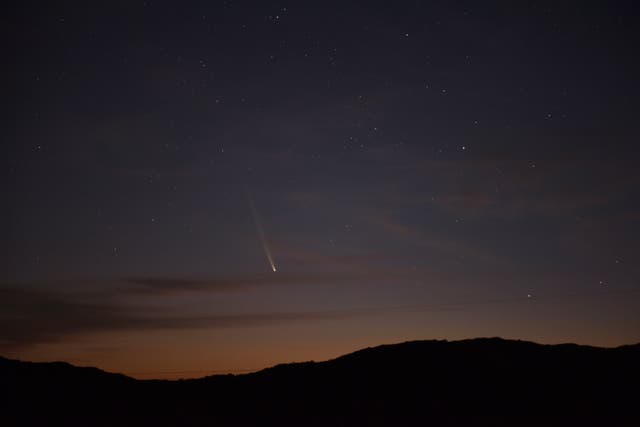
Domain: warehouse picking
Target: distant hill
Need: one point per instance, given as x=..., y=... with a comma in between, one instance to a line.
x=479, y=382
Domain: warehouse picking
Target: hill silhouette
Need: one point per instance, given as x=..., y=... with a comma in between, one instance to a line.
x=487, y=382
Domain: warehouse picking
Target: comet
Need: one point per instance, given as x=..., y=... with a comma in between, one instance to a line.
x=260, y=229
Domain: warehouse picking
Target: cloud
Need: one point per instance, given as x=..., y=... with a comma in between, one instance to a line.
x=32, y=313
x=437, y=242
x=508, y=186
x=166, y=285
x=34, y=316
x=30, y=317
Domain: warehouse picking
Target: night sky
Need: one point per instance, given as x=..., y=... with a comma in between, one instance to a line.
x=200, y=187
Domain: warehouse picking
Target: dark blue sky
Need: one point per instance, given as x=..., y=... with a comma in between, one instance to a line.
x=420, y=170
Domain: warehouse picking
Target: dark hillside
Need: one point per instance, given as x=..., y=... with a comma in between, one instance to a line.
x=481, y=381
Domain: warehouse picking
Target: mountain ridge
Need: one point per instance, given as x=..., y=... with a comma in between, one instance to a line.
x=485, y=381
x=61, y=364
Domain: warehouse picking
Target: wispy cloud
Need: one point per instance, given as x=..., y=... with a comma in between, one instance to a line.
x=33, y=313
x=169, y=285
x=34, y=316
x=509, y=186
x=437, y=242
x=159, y=286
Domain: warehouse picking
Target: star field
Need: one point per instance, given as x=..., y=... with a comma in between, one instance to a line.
x=413, y=169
